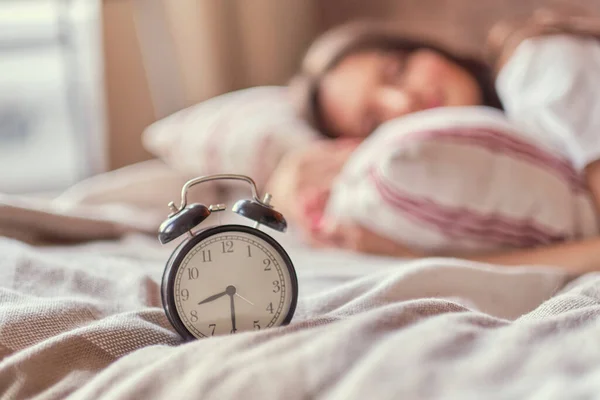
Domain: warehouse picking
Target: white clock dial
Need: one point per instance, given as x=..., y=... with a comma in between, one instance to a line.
x=230, y=282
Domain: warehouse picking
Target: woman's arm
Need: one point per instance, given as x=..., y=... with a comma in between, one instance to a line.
x=576, y=257
x=302, y=180
x=506, y=36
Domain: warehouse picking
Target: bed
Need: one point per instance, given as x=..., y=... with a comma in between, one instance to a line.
x=81, y=314
x=81, y=318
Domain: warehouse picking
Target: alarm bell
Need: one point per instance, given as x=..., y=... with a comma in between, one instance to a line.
x=186, y=217
x=261, y=214
x=182, y=222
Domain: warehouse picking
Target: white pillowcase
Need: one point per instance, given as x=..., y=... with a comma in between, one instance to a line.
x=245, y=132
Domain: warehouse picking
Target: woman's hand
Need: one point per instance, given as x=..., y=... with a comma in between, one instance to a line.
x=300, y=187
x=301, y=183
x=505, y=36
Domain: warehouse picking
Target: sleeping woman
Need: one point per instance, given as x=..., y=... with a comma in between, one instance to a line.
x=431, y=149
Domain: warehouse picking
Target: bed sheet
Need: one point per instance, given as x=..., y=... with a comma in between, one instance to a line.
x=84, y=321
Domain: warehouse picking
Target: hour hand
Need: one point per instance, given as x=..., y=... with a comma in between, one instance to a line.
x=213, y=297
x=233, y=328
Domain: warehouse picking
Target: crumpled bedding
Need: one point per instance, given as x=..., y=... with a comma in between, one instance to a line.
x=83, y=321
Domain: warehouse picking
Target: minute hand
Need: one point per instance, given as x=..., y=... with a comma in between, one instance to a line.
x=213, y=297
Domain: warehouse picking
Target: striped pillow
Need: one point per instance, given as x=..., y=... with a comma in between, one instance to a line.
x=463, y=180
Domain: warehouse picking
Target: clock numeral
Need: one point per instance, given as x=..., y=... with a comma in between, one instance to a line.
x=193, y=273
x=276, y=287
x=206, y=256
x=267, y=264
x=249, y=252
x=227, y=246
x=270, y=308
x=213, y=326
x=185, y=295
x=256, y=326
x=194, y=316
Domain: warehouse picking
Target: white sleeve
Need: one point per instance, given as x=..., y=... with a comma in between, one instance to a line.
x=551, y=87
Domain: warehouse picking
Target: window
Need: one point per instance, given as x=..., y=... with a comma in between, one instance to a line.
x=51, y=94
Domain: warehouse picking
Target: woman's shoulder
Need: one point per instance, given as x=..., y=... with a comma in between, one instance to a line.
x=566, y=25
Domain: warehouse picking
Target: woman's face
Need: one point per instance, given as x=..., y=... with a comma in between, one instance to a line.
x=368, y=88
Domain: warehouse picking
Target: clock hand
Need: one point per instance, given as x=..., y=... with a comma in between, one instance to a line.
x=213, y=297
x=243, y=298
x=233, y=330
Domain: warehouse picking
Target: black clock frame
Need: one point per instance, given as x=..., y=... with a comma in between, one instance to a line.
x=172, y=266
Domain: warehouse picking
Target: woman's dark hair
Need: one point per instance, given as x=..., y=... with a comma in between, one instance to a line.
x=327, y=51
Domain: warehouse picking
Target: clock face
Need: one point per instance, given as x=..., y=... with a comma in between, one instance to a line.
x=232, y=281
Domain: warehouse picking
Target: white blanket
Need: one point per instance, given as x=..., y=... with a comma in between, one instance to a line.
x=84, y=321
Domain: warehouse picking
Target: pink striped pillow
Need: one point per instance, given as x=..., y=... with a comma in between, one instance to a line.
x=463, y=184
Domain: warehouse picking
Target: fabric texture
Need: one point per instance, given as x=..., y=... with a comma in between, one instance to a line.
x=85, y=322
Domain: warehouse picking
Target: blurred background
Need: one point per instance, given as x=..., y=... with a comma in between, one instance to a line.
x=81, y=79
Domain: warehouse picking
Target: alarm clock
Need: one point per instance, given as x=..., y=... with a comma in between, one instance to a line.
x=226, y=279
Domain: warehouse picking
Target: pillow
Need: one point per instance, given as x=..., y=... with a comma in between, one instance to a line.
x=244, y=132
x=462, y=179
